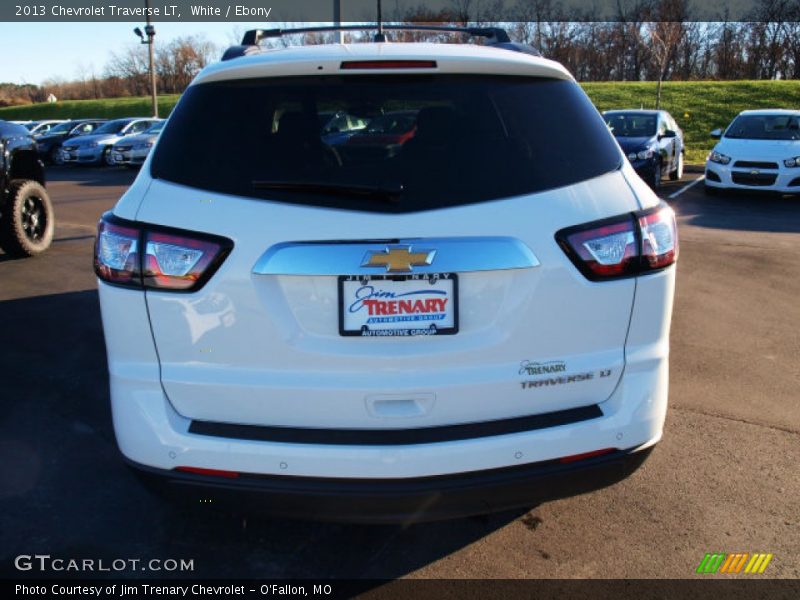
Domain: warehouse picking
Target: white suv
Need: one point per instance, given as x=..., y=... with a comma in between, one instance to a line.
x=454, y=316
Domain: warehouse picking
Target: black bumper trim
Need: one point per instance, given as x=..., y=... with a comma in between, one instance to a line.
x=397, y=500
x=395, y=437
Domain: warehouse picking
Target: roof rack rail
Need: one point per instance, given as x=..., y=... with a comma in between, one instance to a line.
x=495, y=36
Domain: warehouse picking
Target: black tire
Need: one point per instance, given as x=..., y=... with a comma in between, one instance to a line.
x=105, y=159
x=28, y=222
x=655, y=181
x=710, y=191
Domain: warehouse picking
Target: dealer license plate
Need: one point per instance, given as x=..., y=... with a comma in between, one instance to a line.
x=385, y=306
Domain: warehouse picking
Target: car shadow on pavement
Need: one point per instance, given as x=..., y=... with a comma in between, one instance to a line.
x=6, y=257
x=65, y=491
x=742, y=211
x=91, y=176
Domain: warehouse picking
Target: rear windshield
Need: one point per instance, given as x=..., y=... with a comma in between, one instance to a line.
x=422, y=142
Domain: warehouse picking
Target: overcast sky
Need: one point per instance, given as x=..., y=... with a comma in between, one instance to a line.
x=33, y=52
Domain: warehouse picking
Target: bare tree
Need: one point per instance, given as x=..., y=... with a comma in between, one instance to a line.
x=130, y=66
x=179, y=61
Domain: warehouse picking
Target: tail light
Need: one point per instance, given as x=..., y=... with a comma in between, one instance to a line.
x=148, y=256
x=624, y=246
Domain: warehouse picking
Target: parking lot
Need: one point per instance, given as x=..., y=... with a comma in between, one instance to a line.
x=724, y=478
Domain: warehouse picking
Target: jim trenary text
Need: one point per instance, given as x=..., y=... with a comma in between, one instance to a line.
x=144, y=589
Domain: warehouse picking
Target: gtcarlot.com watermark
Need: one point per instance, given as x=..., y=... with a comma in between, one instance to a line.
x=53, y=564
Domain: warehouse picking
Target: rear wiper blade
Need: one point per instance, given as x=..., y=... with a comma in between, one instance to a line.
x=369, y=192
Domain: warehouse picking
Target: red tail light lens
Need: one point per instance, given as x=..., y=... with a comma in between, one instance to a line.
x=623, y=246
x=147, y=256
x=585, y=455
x=177, y=262
x=212, y=472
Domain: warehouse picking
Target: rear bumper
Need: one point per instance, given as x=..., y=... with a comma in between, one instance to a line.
x=398, y=500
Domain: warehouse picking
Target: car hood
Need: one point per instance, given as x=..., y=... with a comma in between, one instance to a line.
x=50, y=138
x=132, y=140
x=634, y=144
x=88, y=139
x=759, y=149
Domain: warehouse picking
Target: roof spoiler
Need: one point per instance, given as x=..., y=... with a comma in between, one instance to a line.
x=495, y=36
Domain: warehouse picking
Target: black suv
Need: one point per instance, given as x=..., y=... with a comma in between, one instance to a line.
x=26, y=213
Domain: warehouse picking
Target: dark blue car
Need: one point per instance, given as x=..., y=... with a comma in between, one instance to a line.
x=652, y=141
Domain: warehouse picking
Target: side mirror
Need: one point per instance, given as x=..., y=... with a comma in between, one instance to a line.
x=668, y=134
x=717, y=133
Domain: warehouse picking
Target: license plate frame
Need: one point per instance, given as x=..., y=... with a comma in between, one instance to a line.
x=419, y=331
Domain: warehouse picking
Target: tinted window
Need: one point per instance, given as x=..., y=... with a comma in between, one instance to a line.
x=435, y=141
x=765, y=127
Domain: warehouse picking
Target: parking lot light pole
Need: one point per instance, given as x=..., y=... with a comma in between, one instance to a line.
x=337, y=20
x=150, y=32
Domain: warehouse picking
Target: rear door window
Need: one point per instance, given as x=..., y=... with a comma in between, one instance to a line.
x=420, y=142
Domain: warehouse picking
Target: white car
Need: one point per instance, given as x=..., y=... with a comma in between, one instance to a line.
x=475, y=322
x=760, y=150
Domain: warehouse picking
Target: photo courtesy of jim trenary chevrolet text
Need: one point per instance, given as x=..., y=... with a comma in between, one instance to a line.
x=400, y=298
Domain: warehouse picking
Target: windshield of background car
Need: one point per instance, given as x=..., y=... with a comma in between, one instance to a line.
x=62, y=128
x=631, y=124
x=765, y=127
x=111, y=127
x=447, y=140
x=155, y=128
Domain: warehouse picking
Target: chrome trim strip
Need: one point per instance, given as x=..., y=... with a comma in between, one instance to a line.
x=452, y=255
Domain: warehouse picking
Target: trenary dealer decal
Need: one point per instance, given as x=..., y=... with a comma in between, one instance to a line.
x=529, y=367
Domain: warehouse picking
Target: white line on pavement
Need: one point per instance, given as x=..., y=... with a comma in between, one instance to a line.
x=686, y=187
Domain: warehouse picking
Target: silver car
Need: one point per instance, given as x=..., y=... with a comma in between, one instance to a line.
x=95, y=149
x=132, y=150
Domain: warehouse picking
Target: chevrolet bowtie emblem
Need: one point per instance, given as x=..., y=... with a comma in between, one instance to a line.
x=755, y=172
x=398, y=259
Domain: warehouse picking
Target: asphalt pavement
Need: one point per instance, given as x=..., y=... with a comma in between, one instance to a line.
x=723, y=479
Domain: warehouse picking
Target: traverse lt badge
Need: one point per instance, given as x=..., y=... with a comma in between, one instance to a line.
x=398, y=259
